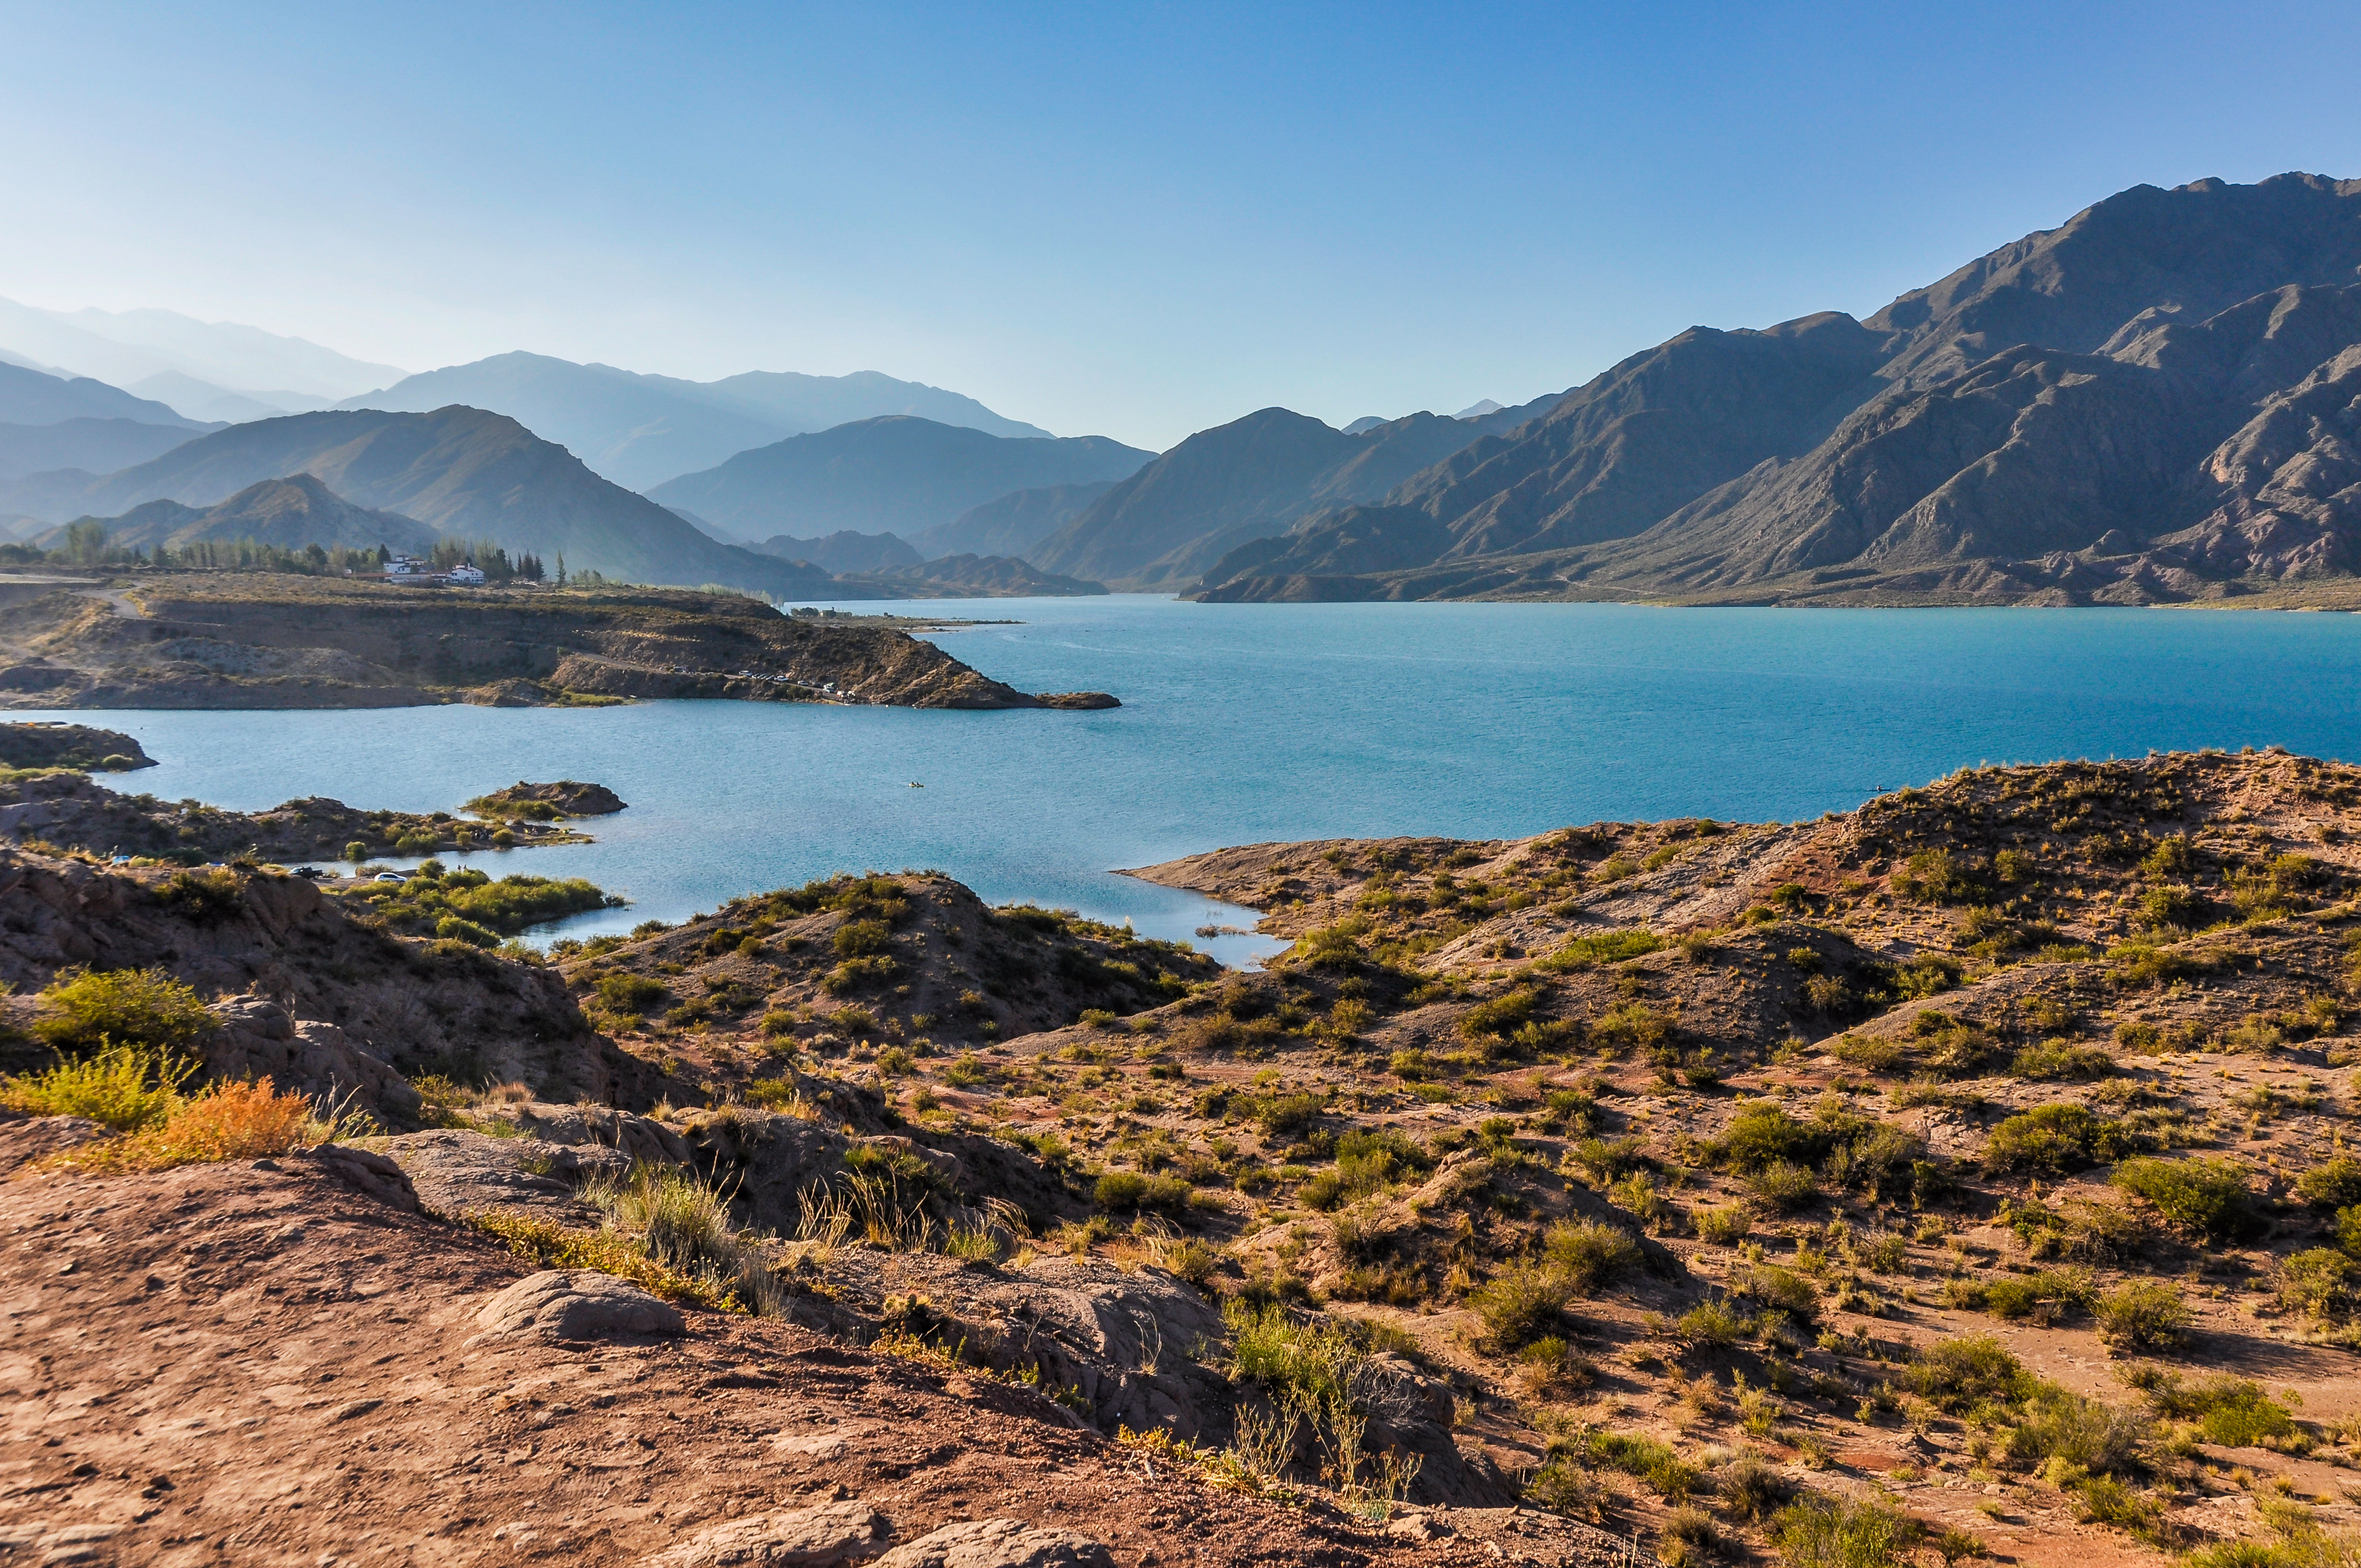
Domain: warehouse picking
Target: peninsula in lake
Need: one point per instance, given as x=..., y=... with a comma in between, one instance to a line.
x=225, y=640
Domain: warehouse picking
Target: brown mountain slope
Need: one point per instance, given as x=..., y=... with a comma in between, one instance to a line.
x=1176, y=517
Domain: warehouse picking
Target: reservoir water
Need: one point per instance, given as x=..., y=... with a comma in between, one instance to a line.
x=1250, y=722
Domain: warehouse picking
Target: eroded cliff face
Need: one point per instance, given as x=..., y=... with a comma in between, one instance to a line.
x=190, y=641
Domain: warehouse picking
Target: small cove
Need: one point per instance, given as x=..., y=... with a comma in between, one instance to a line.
x=1245, y=723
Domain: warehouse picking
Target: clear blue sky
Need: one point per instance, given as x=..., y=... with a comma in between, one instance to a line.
x=1132, y=219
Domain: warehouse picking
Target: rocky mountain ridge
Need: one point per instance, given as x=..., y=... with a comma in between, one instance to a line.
x=2155, y=401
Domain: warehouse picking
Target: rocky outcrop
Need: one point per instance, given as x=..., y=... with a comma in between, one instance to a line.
x=818, y=1537
x=258, y=1039
x=566, y=797
x=999, y=1543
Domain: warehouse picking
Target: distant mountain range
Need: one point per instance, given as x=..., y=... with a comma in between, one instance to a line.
x=127, y=346
x=203, y=401
x=35, y=398
x=1012, y=524
x=897, y=474
x=456, y=471
x=94, y=446
x=641, y=430
x=845, y=551
x=2161, y=400
x=1166, y=524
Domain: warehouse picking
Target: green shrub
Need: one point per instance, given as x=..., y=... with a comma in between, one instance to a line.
x=1632, y=1027
x=452, y=928
x=1839, y=1532
x=1779, y=1287
x=2054, y=1059
x=1721, y=1227
x=1280, y=1115
x=1713, y=1323
x=1955, y=1375
x=1521, y=1303
x=2332, y=1184
x=125, y=1087
x=2052, y=1139
x=2172, y=905
x=206, y=897
x=1130, y=1189
x=508, y=906
x=1763, y=1135
x=2143, y=1316
x=1785, y=1187
x=2105, y=1500
x=1367, y=1162
x=1601, y=947
x=1750, y=1489
x=2207, y=1198
x=1868, y=1054
x=2323, y=1283
x=625, y=993
x=1588, y=1253
x=1651, y=1459
x=137, y=1008
x=2237, y=1414
x=1499, y=1016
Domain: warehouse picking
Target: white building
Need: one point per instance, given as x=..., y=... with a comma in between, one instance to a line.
x=468, y=575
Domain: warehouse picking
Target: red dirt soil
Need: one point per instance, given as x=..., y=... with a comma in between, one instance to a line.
x=256, y=1364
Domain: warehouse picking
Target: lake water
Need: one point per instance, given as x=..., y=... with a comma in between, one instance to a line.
x=1250, y=722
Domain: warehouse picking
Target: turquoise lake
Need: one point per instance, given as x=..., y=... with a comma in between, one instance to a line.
x=1250, y=722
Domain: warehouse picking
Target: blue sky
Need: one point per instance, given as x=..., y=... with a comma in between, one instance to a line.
x=1137, y=221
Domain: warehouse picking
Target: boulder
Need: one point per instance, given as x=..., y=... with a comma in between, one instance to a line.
x=580, y=1305
x=457, y=1172
x=640, y=1139
x=258, y=1039
x=817, y=1537
x=371, y=1175
x=999, y=1543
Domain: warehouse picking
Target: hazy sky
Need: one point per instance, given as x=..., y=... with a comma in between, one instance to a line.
x=1132, y=219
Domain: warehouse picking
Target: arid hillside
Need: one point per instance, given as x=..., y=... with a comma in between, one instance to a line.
x=1960, y=1176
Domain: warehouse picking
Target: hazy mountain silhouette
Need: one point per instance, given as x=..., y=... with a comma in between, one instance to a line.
x=123, y=347
x=203, y=401
x=845, y=552
x=898, y=474
x=641, y=430
x=91, y=446
x=34, y=396
x=1010, y=525
x=459, y=471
